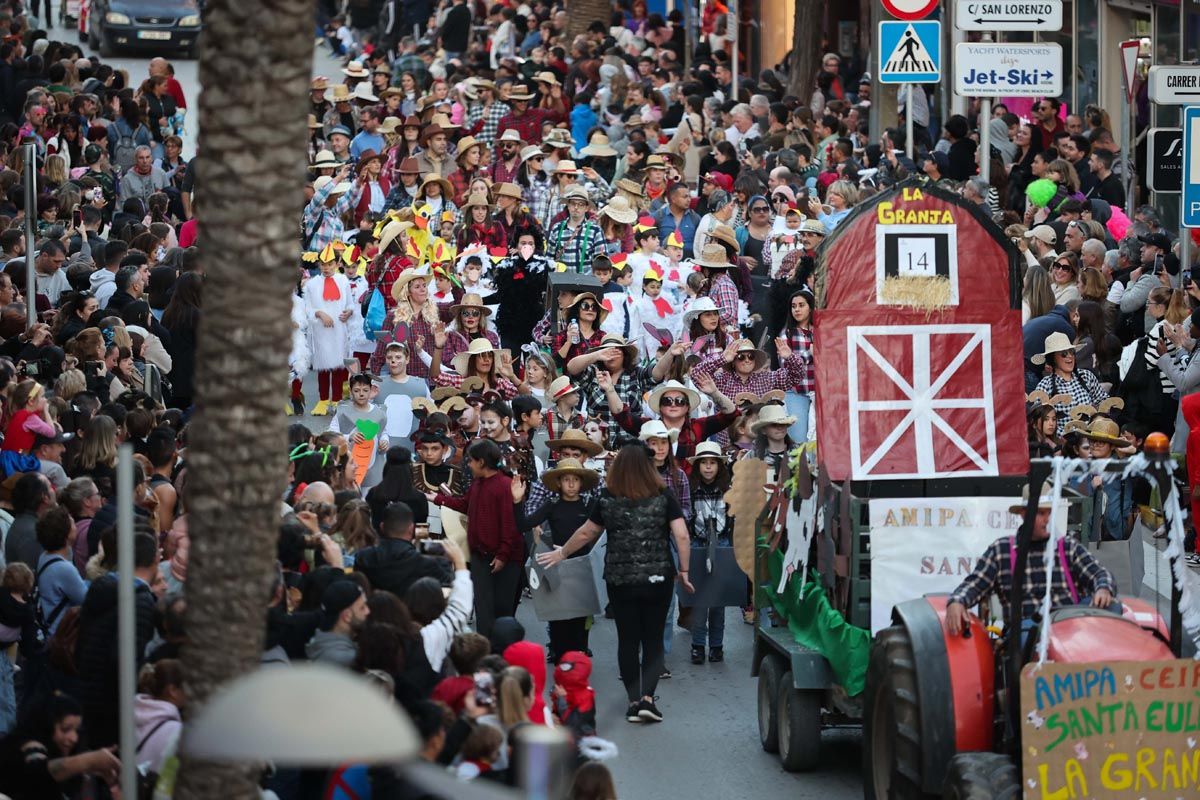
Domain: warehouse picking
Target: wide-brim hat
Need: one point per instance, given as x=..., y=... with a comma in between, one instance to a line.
x=1045, y=499
x=325, y=160
x=655, y=398
x=560, y=387
x=433, y=177
x=477, y=199
x=657, y=429
x=614, y=340
x=511, y=135
x=713, y=256
x=363, y=92
x=559, y=138
x=507, y=190
x=355, y=69
x=319, y=83
x=579, y=298
x=531, y=151
x=432, y=129
x=552, y=478
x=700, y=306
x=366, y=157
x=576, y=192
x=746, y=346
x=391, y=231
x=464, y=146
x=412, y=121
x=574, y=437
x=407, y=277
x=520, y=92
x=391, y=91
x=810, y=225
x=477, y=347
x=1056, y=342
x=338, y=93
x=707, y=450
x=1104, y=429
x=771, y=415
x=631, y=186
x=409, y=166
x=547, y=77
x=566, y=167
x=620, y=210
x=389, y=125
x=599, y=146
x=725, y=235
x=470, y=300
x=314, y=124
x=634, y=122
x=443, y=121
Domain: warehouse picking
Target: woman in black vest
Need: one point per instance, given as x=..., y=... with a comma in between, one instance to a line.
x=641, y=517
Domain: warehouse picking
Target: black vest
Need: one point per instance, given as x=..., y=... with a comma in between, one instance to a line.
x=639, y=550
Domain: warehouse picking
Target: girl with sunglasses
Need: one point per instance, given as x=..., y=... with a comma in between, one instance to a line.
x=470, y=323
x=581, y=331
x=754, y=233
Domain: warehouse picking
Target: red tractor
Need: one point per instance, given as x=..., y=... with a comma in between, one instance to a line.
x=941, y=712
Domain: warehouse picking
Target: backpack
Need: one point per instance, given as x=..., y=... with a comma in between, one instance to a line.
x=1141, y=388
x=43, y=622
x=125, y=150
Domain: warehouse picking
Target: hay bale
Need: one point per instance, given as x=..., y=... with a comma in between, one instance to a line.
x=921, y=293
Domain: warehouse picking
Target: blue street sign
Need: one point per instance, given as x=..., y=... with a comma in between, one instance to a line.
x=1190, y=207
x=910, y=52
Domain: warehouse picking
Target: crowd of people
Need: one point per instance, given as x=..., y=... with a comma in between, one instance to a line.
x=553, y=289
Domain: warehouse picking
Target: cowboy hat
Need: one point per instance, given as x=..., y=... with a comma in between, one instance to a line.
x=520, y=92
x=391, y=231
x=511, y=135
x=1045, y=499
x=574, y=437
x=620, y=210
x=1104, y=429
x=507, y=190
x=634, y=122
x=655, y=398
x=477, y=199
x=1056, y=342
x=407, y=277
x=771, y=415
x=389, y=125
x=432, y=129
x=477, y=347
x=391, y=91
x=725, y=235
x=579, y=298
x=566, y=167
x=464, y=146
x=747, y=346
x=700, y=306
x=547, y=77
x=433, y=177
x=470, y=300
x=411, y=121
x=355, y=69
x=655, y=429
x=409, y=166
x=570, y=466
x=558, y=138
x=599, y=146
x=319, y=84
x=813, y=226
x=631, y=186
x=707, y=450
x=576, y=192
x=313, y=123
x=560, y=387
x=338, y=93
x=340, y=188
x=615, y=340
x=363, y=92
x=382, y=68
x=366, y=157
x=443, y=122
x=655, y=161
x=325, y=160
x=713, y=256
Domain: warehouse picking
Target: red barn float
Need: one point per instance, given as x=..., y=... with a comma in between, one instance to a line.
x=918, y=342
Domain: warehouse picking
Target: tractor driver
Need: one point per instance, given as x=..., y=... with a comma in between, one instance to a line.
x=1076, y=577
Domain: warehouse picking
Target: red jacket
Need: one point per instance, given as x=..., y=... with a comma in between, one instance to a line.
x=491, y=528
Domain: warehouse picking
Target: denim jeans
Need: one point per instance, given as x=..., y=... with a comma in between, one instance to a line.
x=798, y=406
x=8, y=696
x=669, y=630
x=708, y=623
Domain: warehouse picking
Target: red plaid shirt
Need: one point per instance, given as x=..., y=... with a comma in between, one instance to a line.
x=460, y=179
x=725, y=294
x=502, y=174
x=765, y=380
x=801, y=342
x=529, y=124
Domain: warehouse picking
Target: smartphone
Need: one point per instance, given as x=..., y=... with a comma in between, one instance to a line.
x=485, y=688
x=77, y=218
x=351, y=365
x=430, y=547
x=1158, y=264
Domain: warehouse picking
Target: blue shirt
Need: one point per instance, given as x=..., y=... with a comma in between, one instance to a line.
x=58, y=585
x=687, y=227
x=366, y=141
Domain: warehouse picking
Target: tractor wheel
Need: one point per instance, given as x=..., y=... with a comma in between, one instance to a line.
x=799, y=726
x=981, y=776
x=769, y=672
x=892, y=720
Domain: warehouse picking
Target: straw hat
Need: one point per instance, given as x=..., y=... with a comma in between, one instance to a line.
x=655, y=398
x=477, y=347
x=655, y=429
x=391, y=231
x=433, y=177
x=408, y=276
x=391, y=91
x=620, y=210
x=325, y=160
x=338, y=93
x=771, y=415
x=813, y=226
x=547, y=77
x=389, y=125
x=631, y=186
x=531, y=151
x=634, y=122
x=570, y=466
x=1104, y=429
x=471, y=300
x=576, y=192
x=655, y=161
x=574, y=437
x=363, y=92
x=464, y=146
x=707, y=450
x=511, y=135
x=1045, y=499
x=600, y=146
x=355, y=69
x=713, y=256
x=558, y=138
x=520, y=92
x=579, y=298
x=507, y=190
x=746, y=346
x=566, y=167
x=700, y=306
x=1056, y=342
x=313, y=123
x=341, y=188
x=443, y=122
x=319, y=83
x=725, y=235
x=477, y=199
x=561, y=387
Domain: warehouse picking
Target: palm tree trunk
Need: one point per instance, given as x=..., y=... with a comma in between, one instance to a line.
x=581, y=13
x=255, y=62
x=806, y=48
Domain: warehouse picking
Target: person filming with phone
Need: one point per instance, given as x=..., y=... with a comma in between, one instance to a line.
x=397, y=562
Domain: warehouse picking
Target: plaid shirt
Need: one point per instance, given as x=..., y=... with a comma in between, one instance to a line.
x=460, y=179
x=576, y=246
x=483, y=123
x=529, y=125
x=630, y=386
x=801, y=342
x=725, y=294
x=411, y=63
x=457, y=342
x=731, y=383
x=1084, y=388
x=693, y=432
x=677, y=481
x=500, y=173
x=324, y=225
x=450, y=378
x=537, y=197
x=993, y=574
x=538, y=495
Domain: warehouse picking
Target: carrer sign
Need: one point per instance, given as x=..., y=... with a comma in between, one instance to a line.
x=1008, y=15
x=1175, y=85
x=1003, y=69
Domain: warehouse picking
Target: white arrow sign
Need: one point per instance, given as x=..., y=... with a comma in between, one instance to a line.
x=974, y=15
x=1175, y=85
x=991, y=69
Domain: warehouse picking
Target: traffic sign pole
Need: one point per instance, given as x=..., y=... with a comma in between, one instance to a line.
x=908, y=124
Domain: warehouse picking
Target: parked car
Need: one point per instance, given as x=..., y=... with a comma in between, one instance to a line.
x=159, y=25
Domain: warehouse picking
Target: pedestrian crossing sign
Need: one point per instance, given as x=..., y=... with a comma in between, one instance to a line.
x=910, y=52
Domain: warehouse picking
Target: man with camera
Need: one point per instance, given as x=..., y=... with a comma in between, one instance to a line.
x=396, y=562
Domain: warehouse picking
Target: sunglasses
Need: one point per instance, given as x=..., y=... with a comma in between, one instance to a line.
x=673, y=401
x=746, y=356
x=1061, y=265
x=759, y=210
x=471, y=312
x=588, y=306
